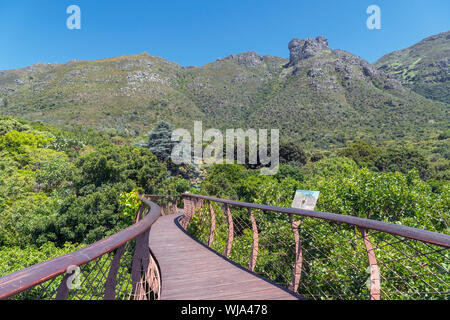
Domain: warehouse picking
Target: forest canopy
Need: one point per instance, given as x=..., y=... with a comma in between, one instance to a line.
x=61, y=190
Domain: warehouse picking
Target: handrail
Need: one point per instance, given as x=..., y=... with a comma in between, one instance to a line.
x=145, y=270
x=24, y=279
x=318, y=258
x=431, y=237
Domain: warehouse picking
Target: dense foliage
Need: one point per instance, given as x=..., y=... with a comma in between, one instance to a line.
x=322, y=100
x=334, y=257
x=372, y=147
x=60, y=190
x=422, y=67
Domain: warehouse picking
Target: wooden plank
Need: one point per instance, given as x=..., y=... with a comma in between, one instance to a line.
x=211, y=287
x=213, y=275
x=209, y=279
x=267, y=294
x=227, y=291
x=191, y=271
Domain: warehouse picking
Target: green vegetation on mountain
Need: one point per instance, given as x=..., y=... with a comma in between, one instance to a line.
x=97, y=133
x=423, y=67
x=319, y=97
x=60, y=189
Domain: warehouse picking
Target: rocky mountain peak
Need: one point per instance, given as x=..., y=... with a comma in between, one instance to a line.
x=248, y=59
x=307, y=48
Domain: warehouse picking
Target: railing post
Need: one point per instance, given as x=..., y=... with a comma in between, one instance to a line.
x=139, y=214
x=63, y=289
x=200, y=203
x=373, y=266
x=297, y=268
x=194, y=207
x=230, y=231
x=162, y=211
x=254, y=254
x=213, y=225
x=161, y=205
x=190, y=205
x=153, y=277
x=174, y=206
x=110, y=285
x=170, y=206
x=187, y=212
x=140, y=264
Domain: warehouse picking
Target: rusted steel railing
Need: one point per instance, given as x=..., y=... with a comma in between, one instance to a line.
x=118, y=267
x=323, y=255
x=318, y=255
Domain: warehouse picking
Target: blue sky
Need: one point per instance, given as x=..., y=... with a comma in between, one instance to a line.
x=198, y=32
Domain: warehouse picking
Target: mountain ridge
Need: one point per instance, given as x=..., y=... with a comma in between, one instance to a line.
x=423, y=67
x=307, y=96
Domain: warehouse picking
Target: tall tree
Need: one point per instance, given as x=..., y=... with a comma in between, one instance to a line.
x=160, y=140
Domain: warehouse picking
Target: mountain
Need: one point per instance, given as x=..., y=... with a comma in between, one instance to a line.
x=319, y=96
x=423, y=67
x=124, y=93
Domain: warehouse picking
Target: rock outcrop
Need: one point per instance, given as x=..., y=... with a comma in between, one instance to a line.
x=307, y=48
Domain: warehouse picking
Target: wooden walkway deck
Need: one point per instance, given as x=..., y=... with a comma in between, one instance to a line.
x=191, y=271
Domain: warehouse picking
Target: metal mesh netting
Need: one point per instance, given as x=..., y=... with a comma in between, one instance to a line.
x=128, y=272
x=90, y=281
x=44, y=291
x=324, y=260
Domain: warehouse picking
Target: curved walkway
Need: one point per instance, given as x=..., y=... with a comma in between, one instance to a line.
x=192, y=271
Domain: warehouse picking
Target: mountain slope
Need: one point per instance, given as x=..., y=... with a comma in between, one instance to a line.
x=123, y=93
x=320, y=96
x=332, y=96
x=229, y=89
x=423, y=67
